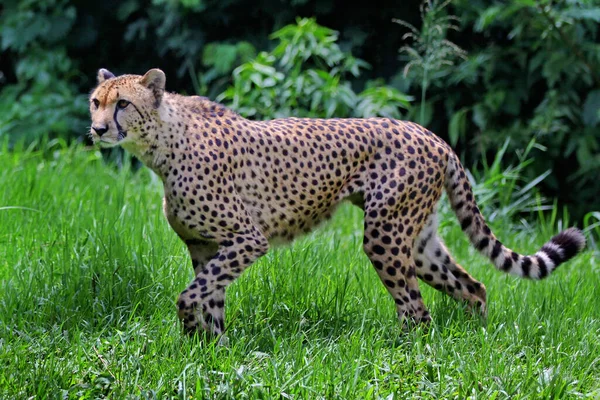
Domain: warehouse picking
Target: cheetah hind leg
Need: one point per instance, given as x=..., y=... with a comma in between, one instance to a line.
x=395, y=266
x=437, y=268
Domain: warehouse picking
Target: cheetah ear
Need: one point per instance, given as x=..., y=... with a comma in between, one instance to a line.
x=155, y=80
x=104, y=75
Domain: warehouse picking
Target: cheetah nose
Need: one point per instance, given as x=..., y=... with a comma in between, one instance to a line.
x=100, y=130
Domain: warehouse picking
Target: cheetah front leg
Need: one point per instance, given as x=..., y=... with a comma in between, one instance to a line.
x=201, y=252
x=202, y=304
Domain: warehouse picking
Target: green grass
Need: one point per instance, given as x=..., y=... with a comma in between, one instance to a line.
x=90, y=270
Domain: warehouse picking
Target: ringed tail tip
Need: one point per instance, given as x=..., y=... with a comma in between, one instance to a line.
x=568, y=243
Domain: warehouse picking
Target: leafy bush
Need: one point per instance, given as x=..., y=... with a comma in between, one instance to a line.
x=432, y=56
x=305, y=75
x=44, y=98
x=531, y=69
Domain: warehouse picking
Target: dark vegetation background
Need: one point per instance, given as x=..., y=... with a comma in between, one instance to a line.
x=523, y=70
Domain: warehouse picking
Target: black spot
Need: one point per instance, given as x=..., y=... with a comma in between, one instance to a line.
x=483, y=244
x=225, y=277
x=496, y=250
x=552, y=254
x=378, y=249
x=507, y=264
x=542, y=267
x=466, y=223
x=526, y=266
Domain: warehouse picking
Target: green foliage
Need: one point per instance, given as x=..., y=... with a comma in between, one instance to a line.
x=432, y=55
x=532, y=73
x=43, y=100
x=193, y=5
x=530, y=70
x=306, y=75
x=219, y=60
x=504, y=191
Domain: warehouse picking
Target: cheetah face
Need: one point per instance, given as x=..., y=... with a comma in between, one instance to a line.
x=120, y=107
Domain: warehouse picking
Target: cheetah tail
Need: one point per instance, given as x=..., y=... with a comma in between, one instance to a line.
x=559, y=249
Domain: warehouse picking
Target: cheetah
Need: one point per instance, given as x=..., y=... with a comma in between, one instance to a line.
x=234, y=186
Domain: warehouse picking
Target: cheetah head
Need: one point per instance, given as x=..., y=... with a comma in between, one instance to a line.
x=123, y=107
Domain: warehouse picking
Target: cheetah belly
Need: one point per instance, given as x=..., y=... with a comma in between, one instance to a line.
x=283, y=219
x=283, y=226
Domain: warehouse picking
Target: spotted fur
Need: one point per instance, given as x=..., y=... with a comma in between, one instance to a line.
x=234, y=186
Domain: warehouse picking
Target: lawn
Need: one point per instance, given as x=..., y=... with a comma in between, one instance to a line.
x=90, y=270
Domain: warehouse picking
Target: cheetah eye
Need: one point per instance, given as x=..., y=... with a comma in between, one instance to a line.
x=122, y=104
x=96, y=103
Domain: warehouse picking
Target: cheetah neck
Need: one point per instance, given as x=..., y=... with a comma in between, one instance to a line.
x=163, y=137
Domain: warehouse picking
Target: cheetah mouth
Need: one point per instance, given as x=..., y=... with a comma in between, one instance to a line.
x=106, y=142
x=110, y=141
